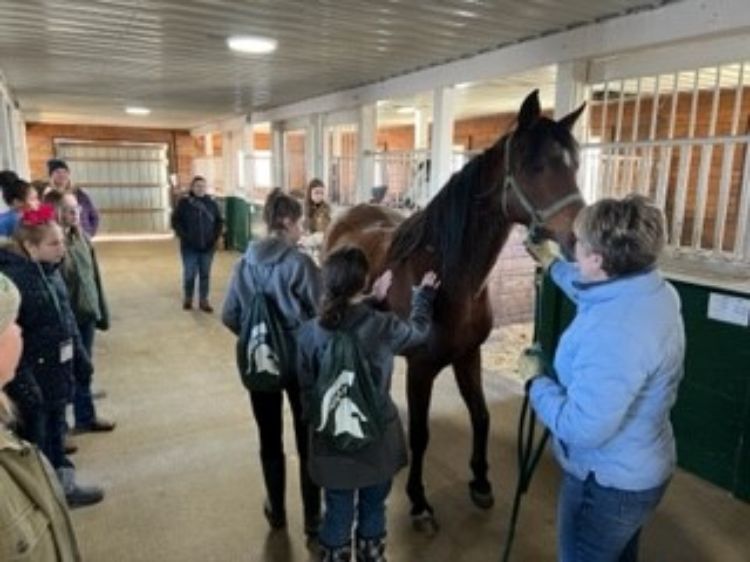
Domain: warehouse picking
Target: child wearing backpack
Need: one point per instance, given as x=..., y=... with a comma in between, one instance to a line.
x=274, y=288
x=345, y=366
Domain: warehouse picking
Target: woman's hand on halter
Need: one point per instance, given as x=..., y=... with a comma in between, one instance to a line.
x=544, y=253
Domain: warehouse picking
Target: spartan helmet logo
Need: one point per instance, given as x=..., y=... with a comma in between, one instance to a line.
x=348, y=417
x=259, y=353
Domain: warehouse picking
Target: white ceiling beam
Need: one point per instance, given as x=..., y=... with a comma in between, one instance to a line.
x=672, y=58
x=672, y=23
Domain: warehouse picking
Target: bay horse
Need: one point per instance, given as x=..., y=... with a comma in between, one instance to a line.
x=529, y=177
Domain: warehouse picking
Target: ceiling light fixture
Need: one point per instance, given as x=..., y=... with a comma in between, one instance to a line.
x=134, y=110
x=464, y=85
x=252, y=44
x=405, y=110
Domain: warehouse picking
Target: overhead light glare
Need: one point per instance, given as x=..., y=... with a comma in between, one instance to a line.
x=464, y=85
x=252, y=44
x=134, y=110
x=405, y=110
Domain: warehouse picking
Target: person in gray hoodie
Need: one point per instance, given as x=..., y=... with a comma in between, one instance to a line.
x=290, y=279
x=359, y=482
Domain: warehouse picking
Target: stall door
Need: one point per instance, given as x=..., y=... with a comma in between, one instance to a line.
x=127, y=182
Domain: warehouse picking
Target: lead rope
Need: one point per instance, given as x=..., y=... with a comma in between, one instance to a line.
x=528, y=456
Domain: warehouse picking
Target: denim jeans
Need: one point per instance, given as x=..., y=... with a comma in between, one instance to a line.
x=339, y=515
x=84, y=412
x=196, y=263
x=45, y=427
x=599, y=524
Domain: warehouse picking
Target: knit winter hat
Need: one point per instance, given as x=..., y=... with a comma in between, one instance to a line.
x=55, y=164
x=10, y=300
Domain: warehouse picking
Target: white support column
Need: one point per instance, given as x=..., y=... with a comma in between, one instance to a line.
x=442, y=138
x=366, y=137
x=570, y=89
x=247, y=167
x=208, y=144
x=314, y=147
x=277, y=154
x=228, y=157
x=421, y=128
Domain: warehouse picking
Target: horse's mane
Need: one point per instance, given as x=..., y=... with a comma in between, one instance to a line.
x=445, y=224
x=450, y=224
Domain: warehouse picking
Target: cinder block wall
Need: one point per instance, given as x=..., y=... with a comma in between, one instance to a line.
x=40, y=139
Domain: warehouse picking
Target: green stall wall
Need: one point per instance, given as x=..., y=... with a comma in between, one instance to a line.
x=711, y=417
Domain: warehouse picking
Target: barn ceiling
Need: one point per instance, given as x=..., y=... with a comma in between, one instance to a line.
x=85, y=60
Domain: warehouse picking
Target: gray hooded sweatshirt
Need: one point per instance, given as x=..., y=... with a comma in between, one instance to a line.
x=286, y=275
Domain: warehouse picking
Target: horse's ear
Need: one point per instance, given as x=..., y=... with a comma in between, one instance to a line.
x=530, y=111
x=570, y=119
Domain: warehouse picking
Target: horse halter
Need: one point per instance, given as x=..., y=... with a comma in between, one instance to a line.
x=539, y=217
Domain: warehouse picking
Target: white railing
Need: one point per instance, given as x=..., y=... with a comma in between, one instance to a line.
x=403, y=175
x=702, y=185
x=342, y=180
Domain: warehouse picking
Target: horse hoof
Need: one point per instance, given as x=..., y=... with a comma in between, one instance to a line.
x=481, y=496
x=425, y=523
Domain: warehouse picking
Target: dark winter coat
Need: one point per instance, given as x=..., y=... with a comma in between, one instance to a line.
x=197, y=222
x=381, y=335
x=47, y=322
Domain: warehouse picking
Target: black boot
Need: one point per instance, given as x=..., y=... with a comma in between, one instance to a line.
x=274, y=474
x=371, y=550
x=336, y=554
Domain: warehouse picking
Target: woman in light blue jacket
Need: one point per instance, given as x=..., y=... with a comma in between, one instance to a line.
x=617, y=367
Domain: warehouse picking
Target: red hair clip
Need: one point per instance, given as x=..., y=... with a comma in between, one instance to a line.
x=37, y=217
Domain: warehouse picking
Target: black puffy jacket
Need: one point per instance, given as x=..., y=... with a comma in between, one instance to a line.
x=197, y=222
x=47, y=322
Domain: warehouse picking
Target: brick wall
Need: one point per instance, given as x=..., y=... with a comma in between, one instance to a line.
x=40, y=139
x=629, y=129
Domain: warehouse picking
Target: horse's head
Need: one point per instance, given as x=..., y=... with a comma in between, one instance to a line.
x=539, y=188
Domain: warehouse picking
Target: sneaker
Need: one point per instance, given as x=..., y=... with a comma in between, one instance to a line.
x=98, y=394
x=81, y=496
x=187, y=305
x=205, y=307
x=99, y=425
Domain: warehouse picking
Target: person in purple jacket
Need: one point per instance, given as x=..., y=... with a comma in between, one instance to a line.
x=59, y=180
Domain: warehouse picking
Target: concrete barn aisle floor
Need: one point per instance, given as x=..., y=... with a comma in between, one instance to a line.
x=182, y=475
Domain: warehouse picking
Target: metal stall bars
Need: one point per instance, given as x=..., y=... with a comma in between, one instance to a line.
x=681, y=139
x=126, y=181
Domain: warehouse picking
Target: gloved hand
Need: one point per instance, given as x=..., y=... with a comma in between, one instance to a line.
x=531, y=364
x=544, y=252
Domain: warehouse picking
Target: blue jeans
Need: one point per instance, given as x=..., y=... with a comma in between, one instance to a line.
x=599, y=524
x=338, y=519
x=45, y=427
x=196, y=263
x=84, y=412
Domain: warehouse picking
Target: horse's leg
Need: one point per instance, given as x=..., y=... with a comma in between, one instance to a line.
x=420, y=378
x=468, y=371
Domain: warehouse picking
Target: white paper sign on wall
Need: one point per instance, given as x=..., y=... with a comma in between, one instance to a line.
x=733, y=310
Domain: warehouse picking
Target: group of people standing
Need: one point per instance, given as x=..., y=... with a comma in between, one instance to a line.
x=606, y=399
x=55, y=298
x=313, y=306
